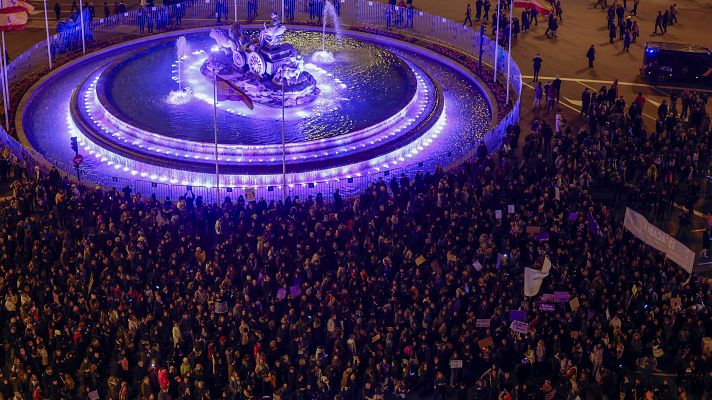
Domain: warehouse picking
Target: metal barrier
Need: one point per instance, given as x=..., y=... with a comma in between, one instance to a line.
x=374, y=16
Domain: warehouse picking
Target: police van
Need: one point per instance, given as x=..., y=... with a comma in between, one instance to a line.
x=664, y=62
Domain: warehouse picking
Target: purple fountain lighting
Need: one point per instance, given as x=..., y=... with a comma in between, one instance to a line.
x=351, y=123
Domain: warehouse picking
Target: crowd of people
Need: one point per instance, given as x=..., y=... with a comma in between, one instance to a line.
x=405, y=289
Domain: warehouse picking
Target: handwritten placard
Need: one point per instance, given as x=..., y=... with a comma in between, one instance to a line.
x=532, y=229
x=519, y=327
x=510, y=209
x=548, y=307
x=455, y=364
x=498, y=214
x=574, y=304
x=419, y=261
x=221, y=307
x=486, y=342
x=482, y=323
x=451, y=257
x=547, y=297
x=675, y=303
x=477, y=265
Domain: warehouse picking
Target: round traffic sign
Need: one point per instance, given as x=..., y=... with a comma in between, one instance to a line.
x=77, y=160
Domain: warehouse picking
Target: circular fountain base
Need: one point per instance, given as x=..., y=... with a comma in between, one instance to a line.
x=377, y=109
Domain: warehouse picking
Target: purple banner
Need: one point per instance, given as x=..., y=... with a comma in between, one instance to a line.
x=561, y=297
x=517, y=315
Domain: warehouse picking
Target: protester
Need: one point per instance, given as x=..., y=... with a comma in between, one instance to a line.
x=406, y=288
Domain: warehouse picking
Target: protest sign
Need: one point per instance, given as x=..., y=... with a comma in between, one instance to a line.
x=482, y=323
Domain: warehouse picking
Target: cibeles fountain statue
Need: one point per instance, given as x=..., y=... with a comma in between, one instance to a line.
x=263, y=67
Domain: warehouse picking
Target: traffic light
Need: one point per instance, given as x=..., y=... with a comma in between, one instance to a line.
x=75, y=145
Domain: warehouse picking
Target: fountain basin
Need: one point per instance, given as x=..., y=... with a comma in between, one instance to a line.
x=393, y=111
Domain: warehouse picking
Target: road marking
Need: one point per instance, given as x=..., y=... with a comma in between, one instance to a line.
x=694, y=212
x=588, y=86
x=610, y=81
x=577, y=103
x=653, y=102
x=563, y=104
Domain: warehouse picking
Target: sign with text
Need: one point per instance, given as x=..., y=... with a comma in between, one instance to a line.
x=574, y=304
x=519, y=327
x=221, y=307
x=547, y=307
x=482, y=323
x=455, y=364
x=654, y=237
x=486, y=342
x=561, y=297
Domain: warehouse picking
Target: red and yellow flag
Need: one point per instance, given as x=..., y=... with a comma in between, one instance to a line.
x=543, y=7
x=229, y=91
x=14, y=14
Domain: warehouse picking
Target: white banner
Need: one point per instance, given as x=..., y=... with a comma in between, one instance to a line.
x=533, y=279
x=681, y=255
x=635, y=223
x=659, y=240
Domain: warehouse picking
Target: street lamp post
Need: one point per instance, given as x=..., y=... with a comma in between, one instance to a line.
x=482, y=41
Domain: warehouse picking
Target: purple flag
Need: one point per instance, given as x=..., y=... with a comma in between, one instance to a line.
x=541, y=236
x=517, y=315
x=593, y=225
x=281, y=293
x=573, y=216
x=295, y=290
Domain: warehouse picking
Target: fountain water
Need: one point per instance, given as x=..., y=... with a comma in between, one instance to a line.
x=180, y=96
x=323, y=56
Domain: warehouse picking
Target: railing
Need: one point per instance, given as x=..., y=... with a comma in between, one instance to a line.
x=376, y=16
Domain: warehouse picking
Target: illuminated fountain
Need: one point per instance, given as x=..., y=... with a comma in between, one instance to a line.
x=324, y=56
x=180, y=96
x=266, y=69
x=144, y=109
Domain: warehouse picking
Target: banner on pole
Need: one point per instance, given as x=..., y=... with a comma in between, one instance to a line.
x=651, y=235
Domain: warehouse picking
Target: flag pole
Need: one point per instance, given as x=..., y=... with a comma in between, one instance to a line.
x=5, y=86
x=496, y=42
x=49, y=48
x=81, y=21
x=215, y=133
x=284, y=155
x=235, y=3
x=509, y=48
